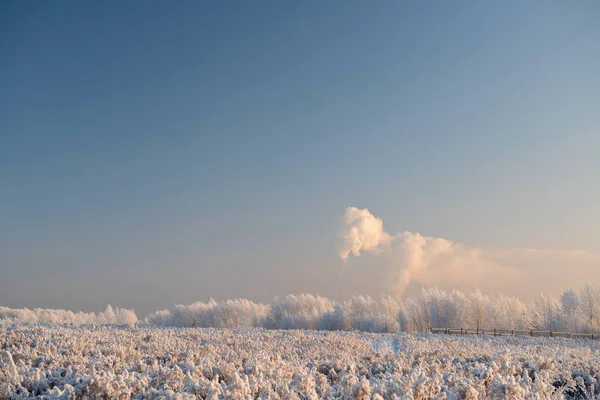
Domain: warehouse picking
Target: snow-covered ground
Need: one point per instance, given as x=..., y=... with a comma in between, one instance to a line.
x=153, y=362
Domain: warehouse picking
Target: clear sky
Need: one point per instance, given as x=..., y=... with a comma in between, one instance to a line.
x=156, y=152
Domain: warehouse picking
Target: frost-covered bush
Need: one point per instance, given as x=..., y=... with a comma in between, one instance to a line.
x=333, y=321
x=375, y=323
x=296, y=312
x=238, y=313
x=111, y=315
x=367, y=315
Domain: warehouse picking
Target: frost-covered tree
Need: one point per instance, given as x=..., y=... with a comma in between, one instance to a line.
x=590, y=306
x=505, y=312
x=572, y=318
x=477, y=304
x=416, y=313
x=434, y=298
x=296, y=312
x=546, y=313
x=109, y=315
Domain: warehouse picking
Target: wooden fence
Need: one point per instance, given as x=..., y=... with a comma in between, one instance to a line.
x=512, y=332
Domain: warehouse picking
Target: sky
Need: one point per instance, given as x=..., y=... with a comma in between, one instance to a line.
x=154, y=153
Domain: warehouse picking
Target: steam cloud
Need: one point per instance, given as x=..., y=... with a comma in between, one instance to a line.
x=362, y=231
x=437, y=261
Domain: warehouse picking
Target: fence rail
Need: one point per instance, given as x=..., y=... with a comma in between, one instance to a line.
x=512, y=332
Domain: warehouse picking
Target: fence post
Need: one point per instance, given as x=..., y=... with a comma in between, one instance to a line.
x=461, y=331
x=550, y=333
x=494, y=331
x=531, y=332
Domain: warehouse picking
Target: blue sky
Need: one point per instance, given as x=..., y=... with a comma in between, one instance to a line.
x=154, y=152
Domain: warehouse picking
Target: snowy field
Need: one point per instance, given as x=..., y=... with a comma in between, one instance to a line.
x=152, y=362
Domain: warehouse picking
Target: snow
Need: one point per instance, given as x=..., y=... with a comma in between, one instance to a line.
x=54, y=361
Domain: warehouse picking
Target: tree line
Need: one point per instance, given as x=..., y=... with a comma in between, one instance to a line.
x=572, y=311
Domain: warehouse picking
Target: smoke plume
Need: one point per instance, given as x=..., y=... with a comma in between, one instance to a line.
x=413, y=257
x=362, y=231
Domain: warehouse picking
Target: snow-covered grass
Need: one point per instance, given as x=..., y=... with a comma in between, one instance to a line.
x=154, y=362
